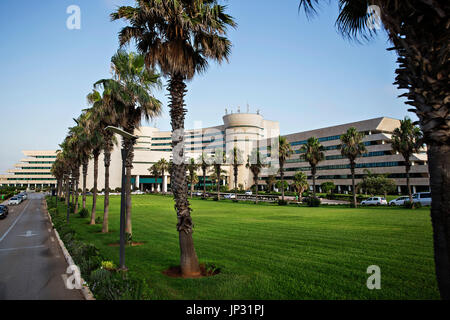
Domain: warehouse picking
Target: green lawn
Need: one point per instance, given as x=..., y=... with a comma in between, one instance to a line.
x=273, y=252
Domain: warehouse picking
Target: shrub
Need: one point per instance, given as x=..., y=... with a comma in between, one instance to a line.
x=282, y=202
x=312, y=201
x=108, y=265
x=216, y=198
x=413, y=205
x=98, y=220
x=107, y=285
x=83, y=213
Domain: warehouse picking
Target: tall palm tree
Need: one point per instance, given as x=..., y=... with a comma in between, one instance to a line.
x=131, y=88
x=407, y=140
x=255, y=165
x=192, y=169
x=300, y=183
x=313, y=153
x=179, y=37
x=271, y=180
x=236, y=161
x=204, y=164
x=103, y=114
x=284, y=152
x=219, y=159
x=419, y=33
x=352, y=146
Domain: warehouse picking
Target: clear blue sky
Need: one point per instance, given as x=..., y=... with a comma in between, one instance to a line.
x=301, y=73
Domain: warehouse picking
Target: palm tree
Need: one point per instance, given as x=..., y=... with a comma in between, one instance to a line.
x=193, y=178
x=130, y=89
x=419, y=33
x=204, y=164
x=236, y=161
x=313, y=153
x=407, y=140
x=271, y=180
x=218, y=160
x=179, y=37
x=284, y=152
x=351, y=148
x=300, y=183
x=255, y=164
x=103, y=114
x=155, y=170
x=163, y=167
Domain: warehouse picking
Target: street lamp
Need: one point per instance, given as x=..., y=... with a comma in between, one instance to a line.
x=125, y=152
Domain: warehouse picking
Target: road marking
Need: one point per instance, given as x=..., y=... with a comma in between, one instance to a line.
x=14, y=223
x=12, y=249
x=28, y=234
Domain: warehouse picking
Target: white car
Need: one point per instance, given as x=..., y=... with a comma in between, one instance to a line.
x=24, y=195
x=374, y=201
x=424, y=198
x=230, y=196
x=14, y=201
x=248, y=193
x=138, y=192
x=198, y=194
x=399, y=201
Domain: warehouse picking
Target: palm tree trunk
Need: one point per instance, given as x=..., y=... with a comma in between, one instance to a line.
x=94, y=196
x=85, y=168
x=218, y=183
x=352, y=169
x=192, y=187
x=105, y=227
x=313, y=172
x=204, y=183
x=256, y=193
x=77, y=181
x=439, y=167
x=408, y=184
x=188, y=257
x=235, y=178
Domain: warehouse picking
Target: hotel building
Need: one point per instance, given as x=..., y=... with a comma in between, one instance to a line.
x=246, y=131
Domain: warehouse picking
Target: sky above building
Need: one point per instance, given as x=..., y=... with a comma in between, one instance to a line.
x=299, y=72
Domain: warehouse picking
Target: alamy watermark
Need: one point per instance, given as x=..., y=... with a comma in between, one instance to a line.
x=72, y=278
x=374, y=280
x=73, y=22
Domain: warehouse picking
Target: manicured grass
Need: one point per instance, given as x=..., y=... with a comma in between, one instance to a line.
x=273, y=252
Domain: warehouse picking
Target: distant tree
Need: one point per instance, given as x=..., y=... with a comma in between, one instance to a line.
x=271, y=180
x=327, y=187
x=284, y=152
x=236, y=161
x=282, y=185
x=351, y=148
x=155, y=170
x=313, y=153
x=192, y=174
x=204, y=161
x=218, y=160
x=255, y=164
x=300, y=183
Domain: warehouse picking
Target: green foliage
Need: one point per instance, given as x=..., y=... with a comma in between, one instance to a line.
x=98, y=220
x=282, y=202
x=312, y=201
x=327, y=187
x=108, y=265
x=83, y=213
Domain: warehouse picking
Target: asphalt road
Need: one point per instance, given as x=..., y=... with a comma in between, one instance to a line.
x=31, y=261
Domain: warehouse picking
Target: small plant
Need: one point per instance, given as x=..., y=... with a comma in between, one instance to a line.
x=98, y=220
x=282, y=202
x=313, y=201
x=83, y=213
x=108, y=265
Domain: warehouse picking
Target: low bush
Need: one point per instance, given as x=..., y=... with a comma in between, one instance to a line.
x=412, y=205
x=98, y=220
x=312, y=201
x=282, y=202
x=83, y=213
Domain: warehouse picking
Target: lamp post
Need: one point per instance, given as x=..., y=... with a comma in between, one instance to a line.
x=125, y=135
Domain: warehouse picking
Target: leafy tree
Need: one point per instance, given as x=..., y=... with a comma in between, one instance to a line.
x=179, y=37
x=163, y=165
x=271, y=180
x=419, y=33
x=407, y=140
x=313, y=153
x=282, y=185
x=204, y=165
x=327, y=187
x=284, y=152
x=351, y=148
x=218, y=160
x=155, y=170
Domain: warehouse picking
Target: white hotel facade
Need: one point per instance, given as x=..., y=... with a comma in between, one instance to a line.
x=246, y=131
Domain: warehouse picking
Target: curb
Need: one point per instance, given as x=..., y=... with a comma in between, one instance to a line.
x=87, y=294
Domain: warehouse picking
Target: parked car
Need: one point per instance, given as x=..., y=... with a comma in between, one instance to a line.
x=399, y=201
x=374, y=201
x=24, y=196
x=198, y=194
x=14, y=201
x=3, y=212
x=230, y=196
x=248, y=193
x=138, y=192
x=21, y=198
x=424, y=198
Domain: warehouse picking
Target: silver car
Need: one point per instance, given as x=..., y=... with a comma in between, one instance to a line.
x=399, y=201
x=424, y=198
x=374, y=201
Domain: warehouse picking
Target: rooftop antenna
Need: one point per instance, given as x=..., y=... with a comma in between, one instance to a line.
x=239, y=109
x=258, y=111
x=226, y=111
x=248, y=108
